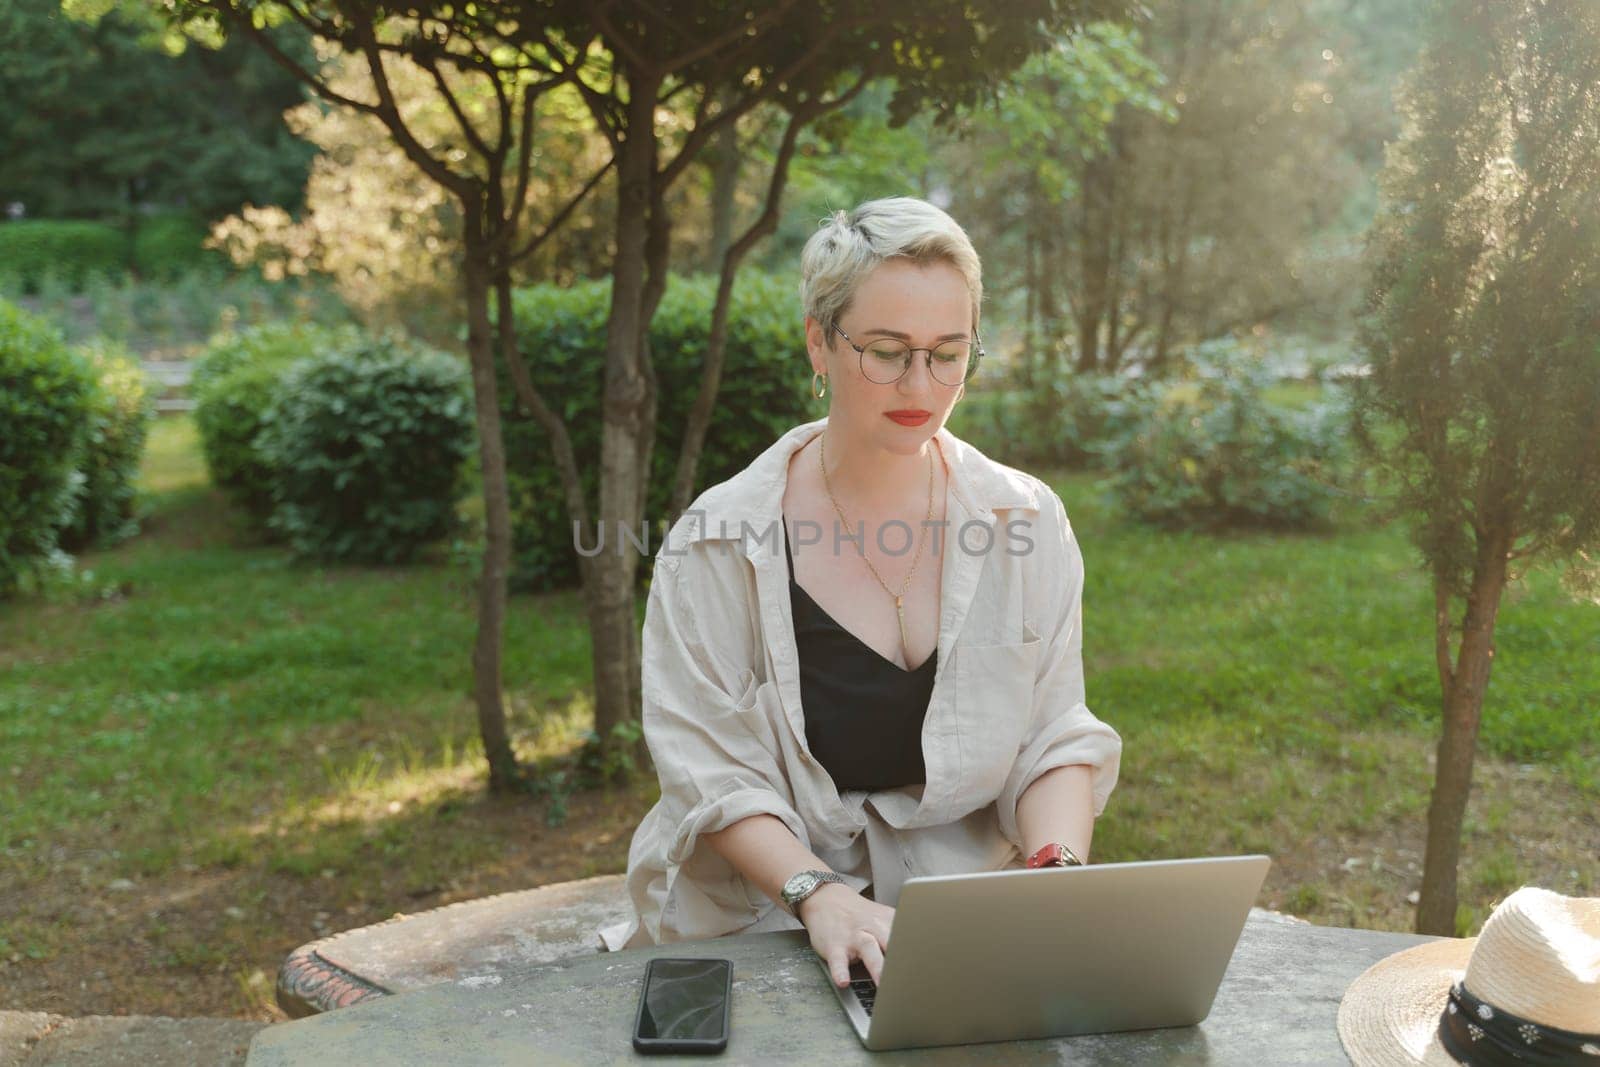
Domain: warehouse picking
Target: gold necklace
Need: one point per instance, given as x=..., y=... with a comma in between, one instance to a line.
x=900, y=597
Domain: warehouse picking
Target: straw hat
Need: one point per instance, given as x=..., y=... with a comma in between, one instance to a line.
x=1526, y=989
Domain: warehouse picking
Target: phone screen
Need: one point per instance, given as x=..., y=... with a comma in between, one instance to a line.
x=684, y=1004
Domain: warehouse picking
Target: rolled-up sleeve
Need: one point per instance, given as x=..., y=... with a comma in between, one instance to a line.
x=1061, y=731
x=699, y=710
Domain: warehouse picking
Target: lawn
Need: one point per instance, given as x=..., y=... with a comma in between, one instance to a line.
x=211, y=755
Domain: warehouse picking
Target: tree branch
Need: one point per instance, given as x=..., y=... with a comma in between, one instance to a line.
x=561, y=216
x=522, y=384
x=389, y=112
x=282, y=58
x=623, y=46
x=703, y=132
x=431, y=65
x=722, y=41
x=596, y=102
x=524, y=169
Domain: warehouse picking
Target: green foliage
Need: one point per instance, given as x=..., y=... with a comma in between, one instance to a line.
x=46, y=397
x=1067, y=419
x=34, y=252
x=1483, y=406
x=561, y=335
x=120, y=413
x=1058, y=111
x=1220, y=456
x=100, y=122
x=233, y=385
x=168, y=246
x=365, y=444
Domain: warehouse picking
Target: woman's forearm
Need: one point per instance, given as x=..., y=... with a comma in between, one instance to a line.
x=1058, y=806
x=764, y=850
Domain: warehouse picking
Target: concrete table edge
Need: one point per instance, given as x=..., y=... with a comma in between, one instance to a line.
x=479, y=1031
x=309, y=983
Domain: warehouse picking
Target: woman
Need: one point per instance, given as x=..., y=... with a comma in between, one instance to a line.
x=897, y=687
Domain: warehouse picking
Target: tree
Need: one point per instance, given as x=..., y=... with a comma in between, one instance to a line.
x=1028, y=163
x=391, y=243
x=1483, y=331
x=636, y=66
x=99, y=120
x=1216, y=197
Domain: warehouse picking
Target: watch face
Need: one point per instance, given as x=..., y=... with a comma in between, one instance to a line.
x=799, y=885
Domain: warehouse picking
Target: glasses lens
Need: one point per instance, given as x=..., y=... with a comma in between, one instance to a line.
x=952, y=362
x=885, y=361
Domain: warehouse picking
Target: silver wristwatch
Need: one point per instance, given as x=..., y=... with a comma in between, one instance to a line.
x=803, y=885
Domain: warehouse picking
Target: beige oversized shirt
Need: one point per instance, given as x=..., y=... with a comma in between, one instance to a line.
x=724, y=725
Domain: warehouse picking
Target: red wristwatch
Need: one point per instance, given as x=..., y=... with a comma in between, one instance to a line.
x=1054, y=854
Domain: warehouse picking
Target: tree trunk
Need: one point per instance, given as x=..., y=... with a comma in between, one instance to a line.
x=725, y=161
x=504, y=774
x=1030, y=307
x=610, y=590
x=1464, y=690
x=1094, y=260
x=699, y=419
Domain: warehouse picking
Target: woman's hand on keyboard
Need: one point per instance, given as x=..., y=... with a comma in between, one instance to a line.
x=845, y=926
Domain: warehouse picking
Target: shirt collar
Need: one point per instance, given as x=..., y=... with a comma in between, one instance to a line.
x=754, y=496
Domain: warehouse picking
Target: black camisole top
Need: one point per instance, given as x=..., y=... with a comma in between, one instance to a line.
x=863, y=713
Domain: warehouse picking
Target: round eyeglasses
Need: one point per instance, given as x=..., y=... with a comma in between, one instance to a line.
x=885, y=360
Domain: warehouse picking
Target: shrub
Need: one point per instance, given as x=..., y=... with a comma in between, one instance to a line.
x=1067, y=419
x=1218, y=455
x=168, y=246
x=766, y=389
x=119, y=421
x=365, y=442
x=120, y=413
x=46, y=392
x=233, y=384
x=68, y=251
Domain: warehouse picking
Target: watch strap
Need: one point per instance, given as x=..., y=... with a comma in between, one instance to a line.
x=1055, y=854
x=820, y=879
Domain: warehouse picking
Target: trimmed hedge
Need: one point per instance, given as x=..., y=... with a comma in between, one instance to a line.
x=67, y=250
x=169, y=245
x=365, y=444
x=233, y=384
x=46, y=393
x=120, y=412
x=561, y=334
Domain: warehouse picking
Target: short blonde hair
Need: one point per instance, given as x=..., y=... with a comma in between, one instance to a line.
x=848, y=245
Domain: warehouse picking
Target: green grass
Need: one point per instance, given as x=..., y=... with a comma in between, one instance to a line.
x=204, y=704
x=1279, y=694
x=212, y=674
x=1302, y=641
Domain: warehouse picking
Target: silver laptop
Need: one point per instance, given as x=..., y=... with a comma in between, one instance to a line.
x=1016, y=954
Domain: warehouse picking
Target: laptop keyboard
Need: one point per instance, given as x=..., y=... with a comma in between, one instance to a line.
x=865, y=989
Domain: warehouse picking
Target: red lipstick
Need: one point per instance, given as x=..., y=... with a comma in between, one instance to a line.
x=910, y=417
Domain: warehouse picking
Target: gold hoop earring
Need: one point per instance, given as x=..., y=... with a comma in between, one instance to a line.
x=815, y=378
x=962, y=392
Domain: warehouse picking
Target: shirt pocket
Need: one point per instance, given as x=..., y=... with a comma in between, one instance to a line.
x=744, y=697
x=993, y=706
x=754, y=713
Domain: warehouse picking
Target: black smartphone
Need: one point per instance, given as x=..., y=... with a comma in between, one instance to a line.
x=684, y=1006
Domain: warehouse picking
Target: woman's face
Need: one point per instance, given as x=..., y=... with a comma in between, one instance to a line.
x=919, y=304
